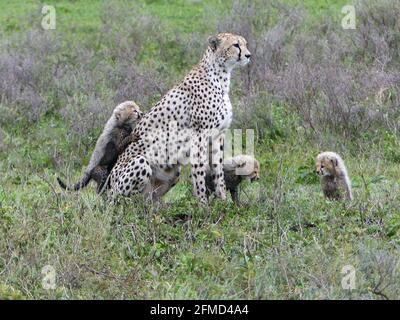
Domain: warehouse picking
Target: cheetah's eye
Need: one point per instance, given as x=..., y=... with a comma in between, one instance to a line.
x=236, y=45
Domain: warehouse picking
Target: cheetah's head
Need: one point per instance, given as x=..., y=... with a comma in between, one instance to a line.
x=244, y=165
x=230, y=50
x=326, y=165
x=127, y=114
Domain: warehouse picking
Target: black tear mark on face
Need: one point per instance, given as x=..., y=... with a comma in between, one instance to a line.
x=240, y=51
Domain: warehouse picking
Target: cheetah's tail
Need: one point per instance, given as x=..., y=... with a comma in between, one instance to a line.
x=81, y=184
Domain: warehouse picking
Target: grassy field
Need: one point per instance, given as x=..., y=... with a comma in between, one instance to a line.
x=284, y=242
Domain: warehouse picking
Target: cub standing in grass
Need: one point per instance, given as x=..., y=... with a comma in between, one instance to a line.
x=111, y=143
x=335, y=181
x=236, y=169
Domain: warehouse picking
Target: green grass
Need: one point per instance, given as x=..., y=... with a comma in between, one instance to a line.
x=81, y=19
x=321, y=7
x=277, y=245
x=176, y=13
x=74, y=18
x=284, y=242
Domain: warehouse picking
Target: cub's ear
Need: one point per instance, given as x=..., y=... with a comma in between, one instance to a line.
x=214, y=42
x=118, y=116
x=334, y=162
x=239, y=164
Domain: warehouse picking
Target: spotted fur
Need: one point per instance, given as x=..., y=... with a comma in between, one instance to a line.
x=199, y=108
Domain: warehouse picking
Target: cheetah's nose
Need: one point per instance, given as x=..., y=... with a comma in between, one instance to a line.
x=247, y=55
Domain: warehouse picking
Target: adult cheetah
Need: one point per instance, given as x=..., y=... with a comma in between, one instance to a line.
x=179, y=128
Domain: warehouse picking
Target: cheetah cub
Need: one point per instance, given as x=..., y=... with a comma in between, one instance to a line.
x=335, y=181
x=112, y=142
x=236, y=169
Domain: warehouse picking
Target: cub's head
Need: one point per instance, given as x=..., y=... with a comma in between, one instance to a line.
x=229, y=49
x=326, y=164
x=127, y=114
x=245, y=166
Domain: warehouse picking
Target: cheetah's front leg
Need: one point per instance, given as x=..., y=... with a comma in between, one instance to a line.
x=217, y=168
x=198, y=160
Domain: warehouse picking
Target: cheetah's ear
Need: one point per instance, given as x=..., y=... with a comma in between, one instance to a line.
x=239, y=164
x=118, y=116
x=214, y=42
x=334, y=162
